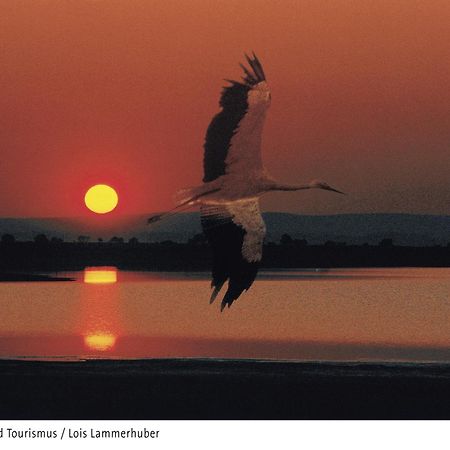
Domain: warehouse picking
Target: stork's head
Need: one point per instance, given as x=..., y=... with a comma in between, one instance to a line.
x=318, y=184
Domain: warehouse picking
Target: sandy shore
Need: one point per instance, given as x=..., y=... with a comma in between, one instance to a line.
x=212, y=389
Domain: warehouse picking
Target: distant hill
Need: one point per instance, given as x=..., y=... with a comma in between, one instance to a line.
x=404, y=229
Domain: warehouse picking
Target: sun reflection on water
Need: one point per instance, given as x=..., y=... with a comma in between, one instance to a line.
x=100, y=342
x=100, y=275
x=99, y=315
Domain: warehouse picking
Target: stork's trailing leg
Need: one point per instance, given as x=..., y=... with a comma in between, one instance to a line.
x=186, y=199
x=170, y=213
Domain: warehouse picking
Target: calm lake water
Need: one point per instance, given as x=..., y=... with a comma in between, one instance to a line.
x=339, y=314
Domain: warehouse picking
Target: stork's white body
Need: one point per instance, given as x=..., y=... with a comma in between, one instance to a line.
x=234, y=180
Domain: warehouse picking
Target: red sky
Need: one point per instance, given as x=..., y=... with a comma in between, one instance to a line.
x=121, y=92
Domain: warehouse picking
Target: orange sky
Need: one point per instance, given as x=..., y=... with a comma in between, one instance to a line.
x=121, y=92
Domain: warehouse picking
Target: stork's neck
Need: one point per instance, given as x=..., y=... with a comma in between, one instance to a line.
x=288, y=187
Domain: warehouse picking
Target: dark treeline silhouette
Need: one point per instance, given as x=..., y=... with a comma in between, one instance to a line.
x=53, y=254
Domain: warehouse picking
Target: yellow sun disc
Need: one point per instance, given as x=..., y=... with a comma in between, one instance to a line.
x=101, y=198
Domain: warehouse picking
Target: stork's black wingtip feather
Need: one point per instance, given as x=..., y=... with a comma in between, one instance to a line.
x=255, y=58
x=258, y=73
x=249, y=78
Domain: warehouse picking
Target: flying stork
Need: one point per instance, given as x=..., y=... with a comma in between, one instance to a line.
x=234, y=179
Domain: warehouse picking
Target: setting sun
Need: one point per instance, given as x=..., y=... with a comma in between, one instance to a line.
x=101, y=198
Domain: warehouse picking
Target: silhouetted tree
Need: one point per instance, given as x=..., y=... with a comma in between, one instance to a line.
x=286, y=239
x=198, y=239
x=133, y=241
x=116, y=240
x=56, y=240
x=83, y=239
x=167, y=243
x=386, y=243
x=335, y=244
x=301, y=242
x=8, y=239
x=41, y=239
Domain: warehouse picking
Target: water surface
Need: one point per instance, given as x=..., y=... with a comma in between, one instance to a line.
x=336, y=314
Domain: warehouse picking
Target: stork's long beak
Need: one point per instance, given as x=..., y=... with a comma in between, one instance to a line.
x=335, y=190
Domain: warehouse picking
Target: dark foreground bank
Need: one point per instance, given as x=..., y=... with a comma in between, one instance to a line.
x=211, y=389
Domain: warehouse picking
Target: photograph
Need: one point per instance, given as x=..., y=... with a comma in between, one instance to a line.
x=224, y=210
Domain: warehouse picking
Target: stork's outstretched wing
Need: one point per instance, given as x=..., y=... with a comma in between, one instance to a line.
x=233, y=138
x=235, y=231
